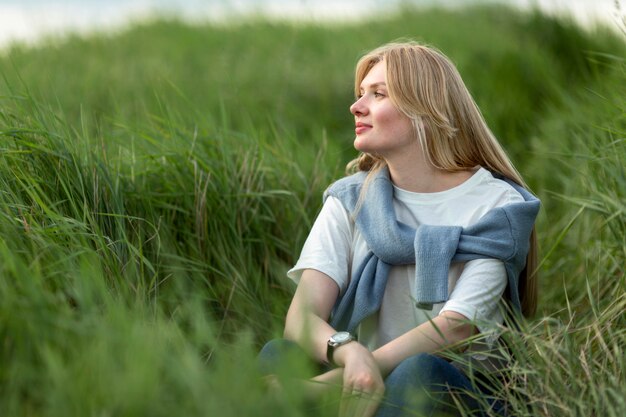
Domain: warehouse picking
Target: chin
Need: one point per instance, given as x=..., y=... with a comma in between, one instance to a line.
x=360, y=146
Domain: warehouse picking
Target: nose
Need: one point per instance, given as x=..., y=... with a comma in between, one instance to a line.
x=358, y=108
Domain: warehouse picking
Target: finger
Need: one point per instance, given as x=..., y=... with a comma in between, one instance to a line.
x=314, y=390
x=371, y=401
x=358, y=403
x=345, y=403
x=350, y=402
x=372, y=404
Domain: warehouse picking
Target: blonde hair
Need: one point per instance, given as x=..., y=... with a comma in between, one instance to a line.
x=426, y=87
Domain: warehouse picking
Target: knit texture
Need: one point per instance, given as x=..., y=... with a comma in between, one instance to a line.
x=502, y=233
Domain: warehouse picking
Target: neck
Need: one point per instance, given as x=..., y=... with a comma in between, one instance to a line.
x=424, y=177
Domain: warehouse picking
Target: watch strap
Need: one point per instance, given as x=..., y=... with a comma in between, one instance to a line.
x=332, y=344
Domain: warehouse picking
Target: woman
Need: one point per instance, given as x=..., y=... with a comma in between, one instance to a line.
x=416, y=251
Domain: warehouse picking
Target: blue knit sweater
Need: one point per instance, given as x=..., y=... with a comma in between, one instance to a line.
x=502, y=233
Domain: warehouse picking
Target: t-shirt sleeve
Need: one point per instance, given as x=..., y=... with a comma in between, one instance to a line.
x=328, y=246
x=478, y=291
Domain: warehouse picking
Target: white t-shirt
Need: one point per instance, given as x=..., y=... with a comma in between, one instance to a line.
x=335, y=246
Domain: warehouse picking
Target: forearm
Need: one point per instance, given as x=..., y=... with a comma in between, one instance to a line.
x=443, y=331
x=306, y=322
x=309, y=331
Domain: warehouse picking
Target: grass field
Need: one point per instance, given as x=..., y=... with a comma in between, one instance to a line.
x=157, y=183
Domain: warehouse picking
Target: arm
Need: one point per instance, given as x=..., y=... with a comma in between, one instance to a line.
x=447, y=329
x=476, y=295
x=363, y=372
x=306, y=322
x=359, y=370
x=327, y=249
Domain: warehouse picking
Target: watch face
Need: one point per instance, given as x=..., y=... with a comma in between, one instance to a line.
x=341, y=337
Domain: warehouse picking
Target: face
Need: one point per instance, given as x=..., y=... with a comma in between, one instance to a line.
x=381, y=128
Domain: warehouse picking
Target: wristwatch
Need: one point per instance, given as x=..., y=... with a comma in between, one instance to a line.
x=336, y=340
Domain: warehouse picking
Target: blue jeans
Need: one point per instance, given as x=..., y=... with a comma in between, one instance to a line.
x=421, y=385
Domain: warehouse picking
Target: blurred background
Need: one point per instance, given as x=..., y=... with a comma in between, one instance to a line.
x=29, y=20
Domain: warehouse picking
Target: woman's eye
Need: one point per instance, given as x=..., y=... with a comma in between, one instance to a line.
x=378, y=94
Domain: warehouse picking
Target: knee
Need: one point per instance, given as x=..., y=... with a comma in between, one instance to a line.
x=276, y=347
x=272, y=355
x=276, y=354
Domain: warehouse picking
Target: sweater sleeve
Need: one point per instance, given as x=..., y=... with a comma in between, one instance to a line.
x=328, y=247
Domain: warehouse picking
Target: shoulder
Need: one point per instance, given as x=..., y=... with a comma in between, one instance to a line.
x=499, y=190
x=511, y=207
x=347, y=189
x=489, y=192
x=333, y=208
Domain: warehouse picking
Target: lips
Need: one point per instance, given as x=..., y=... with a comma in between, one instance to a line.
x=361, y=128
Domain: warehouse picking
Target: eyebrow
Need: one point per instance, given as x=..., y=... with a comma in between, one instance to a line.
x=374, y=85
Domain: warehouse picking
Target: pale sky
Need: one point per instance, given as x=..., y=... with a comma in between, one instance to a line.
x=29, y=20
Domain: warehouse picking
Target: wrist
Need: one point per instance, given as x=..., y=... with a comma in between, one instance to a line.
x=336, y=341
x=343, y=353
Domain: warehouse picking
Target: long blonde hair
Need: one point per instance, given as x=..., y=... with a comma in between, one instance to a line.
x=426, y=87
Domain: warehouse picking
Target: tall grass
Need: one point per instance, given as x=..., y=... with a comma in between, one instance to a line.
x=574, y=356
x=144, y=264
x=156, y=184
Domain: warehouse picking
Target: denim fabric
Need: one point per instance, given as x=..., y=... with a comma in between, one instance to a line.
x=421, y=385
x=426, y=385
x=272, y=359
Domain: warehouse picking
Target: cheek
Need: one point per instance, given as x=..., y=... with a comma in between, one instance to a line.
x=389, y=115
x=396, y=122
x=386, y=116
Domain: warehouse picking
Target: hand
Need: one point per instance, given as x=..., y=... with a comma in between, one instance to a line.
x=325, y=383
x=363, y=385
x=314, y=389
